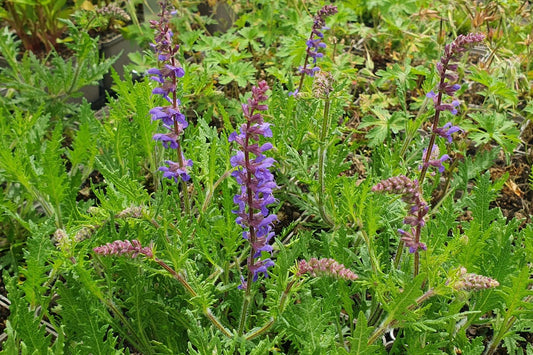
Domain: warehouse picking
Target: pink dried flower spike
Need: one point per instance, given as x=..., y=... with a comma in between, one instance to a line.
x=122, y=247
x=325, y=267
x=473, y=282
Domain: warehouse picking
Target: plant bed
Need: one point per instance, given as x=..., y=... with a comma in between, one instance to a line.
x=345, y=179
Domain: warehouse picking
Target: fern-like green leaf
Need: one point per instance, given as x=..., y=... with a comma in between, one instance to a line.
x=27, y=334
x=360, y=336
x=483, y=194
x=37, y=255
x=86, y=330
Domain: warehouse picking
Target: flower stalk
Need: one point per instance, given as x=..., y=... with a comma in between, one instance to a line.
x=314, y=43
x=411, y=190
x=322, y=89
x=391, y=321
x=257, y=183
x=173, y=120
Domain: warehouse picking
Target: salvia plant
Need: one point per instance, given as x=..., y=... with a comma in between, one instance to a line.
x=316, y=179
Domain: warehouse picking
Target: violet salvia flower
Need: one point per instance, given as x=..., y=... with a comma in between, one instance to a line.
x=434, y=159
x=125, y=247
x=410, y=240
x=472, y=282
x=325, y=267
x=446, y=67
x=256, y=181
x=418, y=208
x=447, y=130
x=167, y=76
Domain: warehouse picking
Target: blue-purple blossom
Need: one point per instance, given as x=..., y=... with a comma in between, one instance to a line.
x=434, y=159
x=447, y=130
x=167, y=77
x=452, y=107
x=308, y=71
x=175, y=170
x=256, y=181
x=410, y=241
x=295, y=92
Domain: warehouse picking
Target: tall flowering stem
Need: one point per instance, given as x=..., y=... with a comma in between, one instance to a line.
x=314, y=43
x=257, y=182
x=322, y=88
x=173, y=120
x=447, y=70
x=411, y=190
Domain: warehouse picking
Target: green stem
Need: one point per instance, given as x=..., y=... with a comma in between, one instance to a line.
x=391, y=321
x=261, y=330
x=399, y=253
x=373, y=259
x=211, y=190
x=177, y=276
x=185, y=188
x=125, y=323
x=302, y=74
x=281, y=307
x=322, y=164
x=206, y=310
x=245, y=302
x=503, y=331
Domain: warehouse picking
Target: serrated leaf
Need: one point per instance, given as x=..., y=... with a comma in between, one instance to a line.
x=483, y=193
x=37, y=255
x=125, y=185
x=359, y=339
x=28, y=335
x=85, y=330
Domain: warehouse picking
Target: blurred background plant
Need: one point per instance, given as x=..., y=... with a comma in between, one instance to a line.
x=37, y=23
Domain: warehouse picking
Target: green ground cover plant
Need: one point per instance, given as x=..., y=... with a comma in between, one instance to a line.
x=322, y=178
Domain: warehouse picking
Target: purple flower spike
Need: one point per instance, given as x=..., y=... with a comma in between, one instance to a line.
x=257, y=182
x=315, y=42
x=447, y=71
x=410, y=241
x=176, y=170
x=166, y=76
